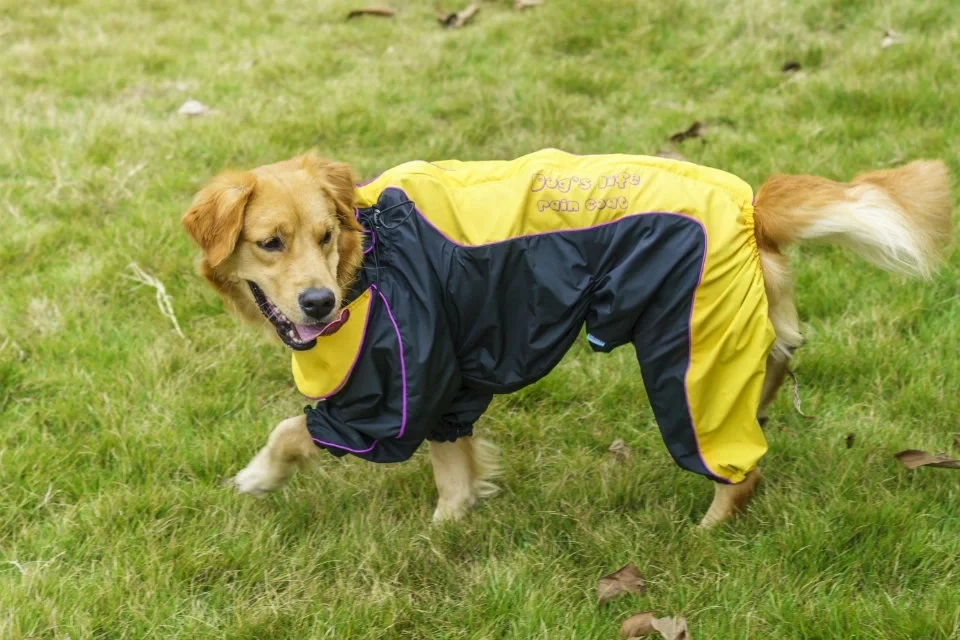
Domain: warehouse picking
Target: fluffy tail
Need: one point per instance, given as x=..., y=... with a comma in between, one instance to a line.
x=898, y=219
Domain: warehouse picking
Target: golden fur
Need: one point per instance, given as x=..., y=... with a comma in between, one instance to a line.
x=899, y=219
x=298, y=201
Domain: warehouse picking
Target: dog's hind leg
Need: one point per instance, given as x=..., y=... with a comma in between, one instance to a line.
x=777, y=365
x=778, y=283
x=462, y=470
x=288, y=446
x=730, y=498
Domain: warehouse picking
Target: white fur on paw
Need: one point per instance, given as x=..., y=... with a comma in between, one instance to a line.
x=447, y=514
x=451, y=511
x=257, y=479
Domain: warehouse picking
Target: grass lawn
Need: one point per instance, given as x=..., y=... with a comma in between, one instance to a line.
x=115, y=432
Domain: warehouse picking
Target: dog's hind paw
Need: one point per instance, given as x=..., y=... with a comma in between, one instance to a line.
x=729, y=499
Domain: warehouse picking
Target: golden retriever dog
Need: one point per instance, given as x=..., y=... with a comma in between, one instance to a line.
x=426, y=291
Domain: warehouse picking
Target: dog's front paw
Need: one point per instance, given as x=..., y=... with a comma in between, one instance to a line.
x=453, y=510
x=258, y=478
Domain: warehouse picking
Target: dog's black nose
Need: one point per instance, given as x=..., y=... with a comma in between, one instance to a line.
x=317, y=303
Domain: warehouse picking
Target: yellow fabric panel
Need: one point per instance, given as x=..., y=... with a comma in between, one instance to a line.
x=476, y=203
x=730, y=339
x=322, y=371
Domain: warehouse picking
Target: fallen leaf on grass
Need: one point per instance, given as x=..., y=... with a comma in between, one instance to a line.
x=526, y=4
x=672, y=628
x=193, y=108
x=693, y=131
x=642, y=624
x=626, y=579
x=458, y=19
x=639, y=624
x=890, y=38
x=913, y=458
x=383, y=12
x=667, y=153
x=619, y=450
x=790, y=67
x=850, y=438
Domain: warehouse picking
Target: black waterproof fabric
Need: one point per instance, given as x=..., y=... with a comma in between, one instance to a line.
x=453, y=325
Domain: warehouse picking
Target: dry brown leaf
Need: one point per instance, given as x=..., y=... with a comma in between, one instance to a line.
x=672, y=628
x=646, y=623
x=626, y=579
x=619, y=450
x=850, y=438
x=913, y=458
x=381, y=11
x=693, y=131
x=519, y=5
x=667, y=153
x=639, y=624
x=458, y=19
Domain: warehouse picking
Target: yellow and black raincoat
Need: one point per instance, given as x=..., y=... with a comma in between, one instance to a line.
x=478, y=276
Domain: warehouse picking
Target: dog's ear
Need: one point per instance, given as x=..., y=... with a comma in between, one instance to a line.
x=336, y=178
x=215, y=218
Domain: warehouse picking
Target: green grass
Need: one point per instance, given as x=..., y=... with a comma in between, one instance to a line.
x=115, y=432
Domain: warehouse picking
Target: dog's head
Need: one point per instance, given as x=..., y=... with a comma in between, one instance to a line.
x=280, y=242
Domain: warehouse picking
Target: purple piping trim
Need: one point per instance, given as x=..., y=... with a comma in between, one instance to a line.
x=403, y=366
x=356, y=358
x=403, y=379
x=337, y=446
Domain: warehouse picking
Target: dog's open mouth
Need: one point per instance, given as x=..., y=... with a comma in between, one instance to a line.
x=298, y=337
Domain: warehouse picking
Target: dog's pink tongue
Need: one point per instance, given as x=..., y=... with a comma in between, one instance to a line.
x=308, y=333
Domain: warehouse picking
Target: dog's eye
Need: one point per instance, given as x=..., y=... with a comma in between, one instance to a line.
x=327, y=237
x=271, y=244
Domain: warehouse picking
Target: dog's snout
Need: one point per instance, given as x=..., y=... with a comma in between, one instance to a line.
x=317, y=303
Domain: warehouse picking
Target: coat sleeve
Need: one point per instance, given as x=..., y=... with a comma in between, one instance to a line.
x=464, y=410
x=401, y=387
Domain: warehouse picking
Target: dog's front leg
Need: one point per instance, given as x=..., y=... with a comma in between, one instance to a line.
x=462, y=470
x=288, y=446
x=454, y=478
